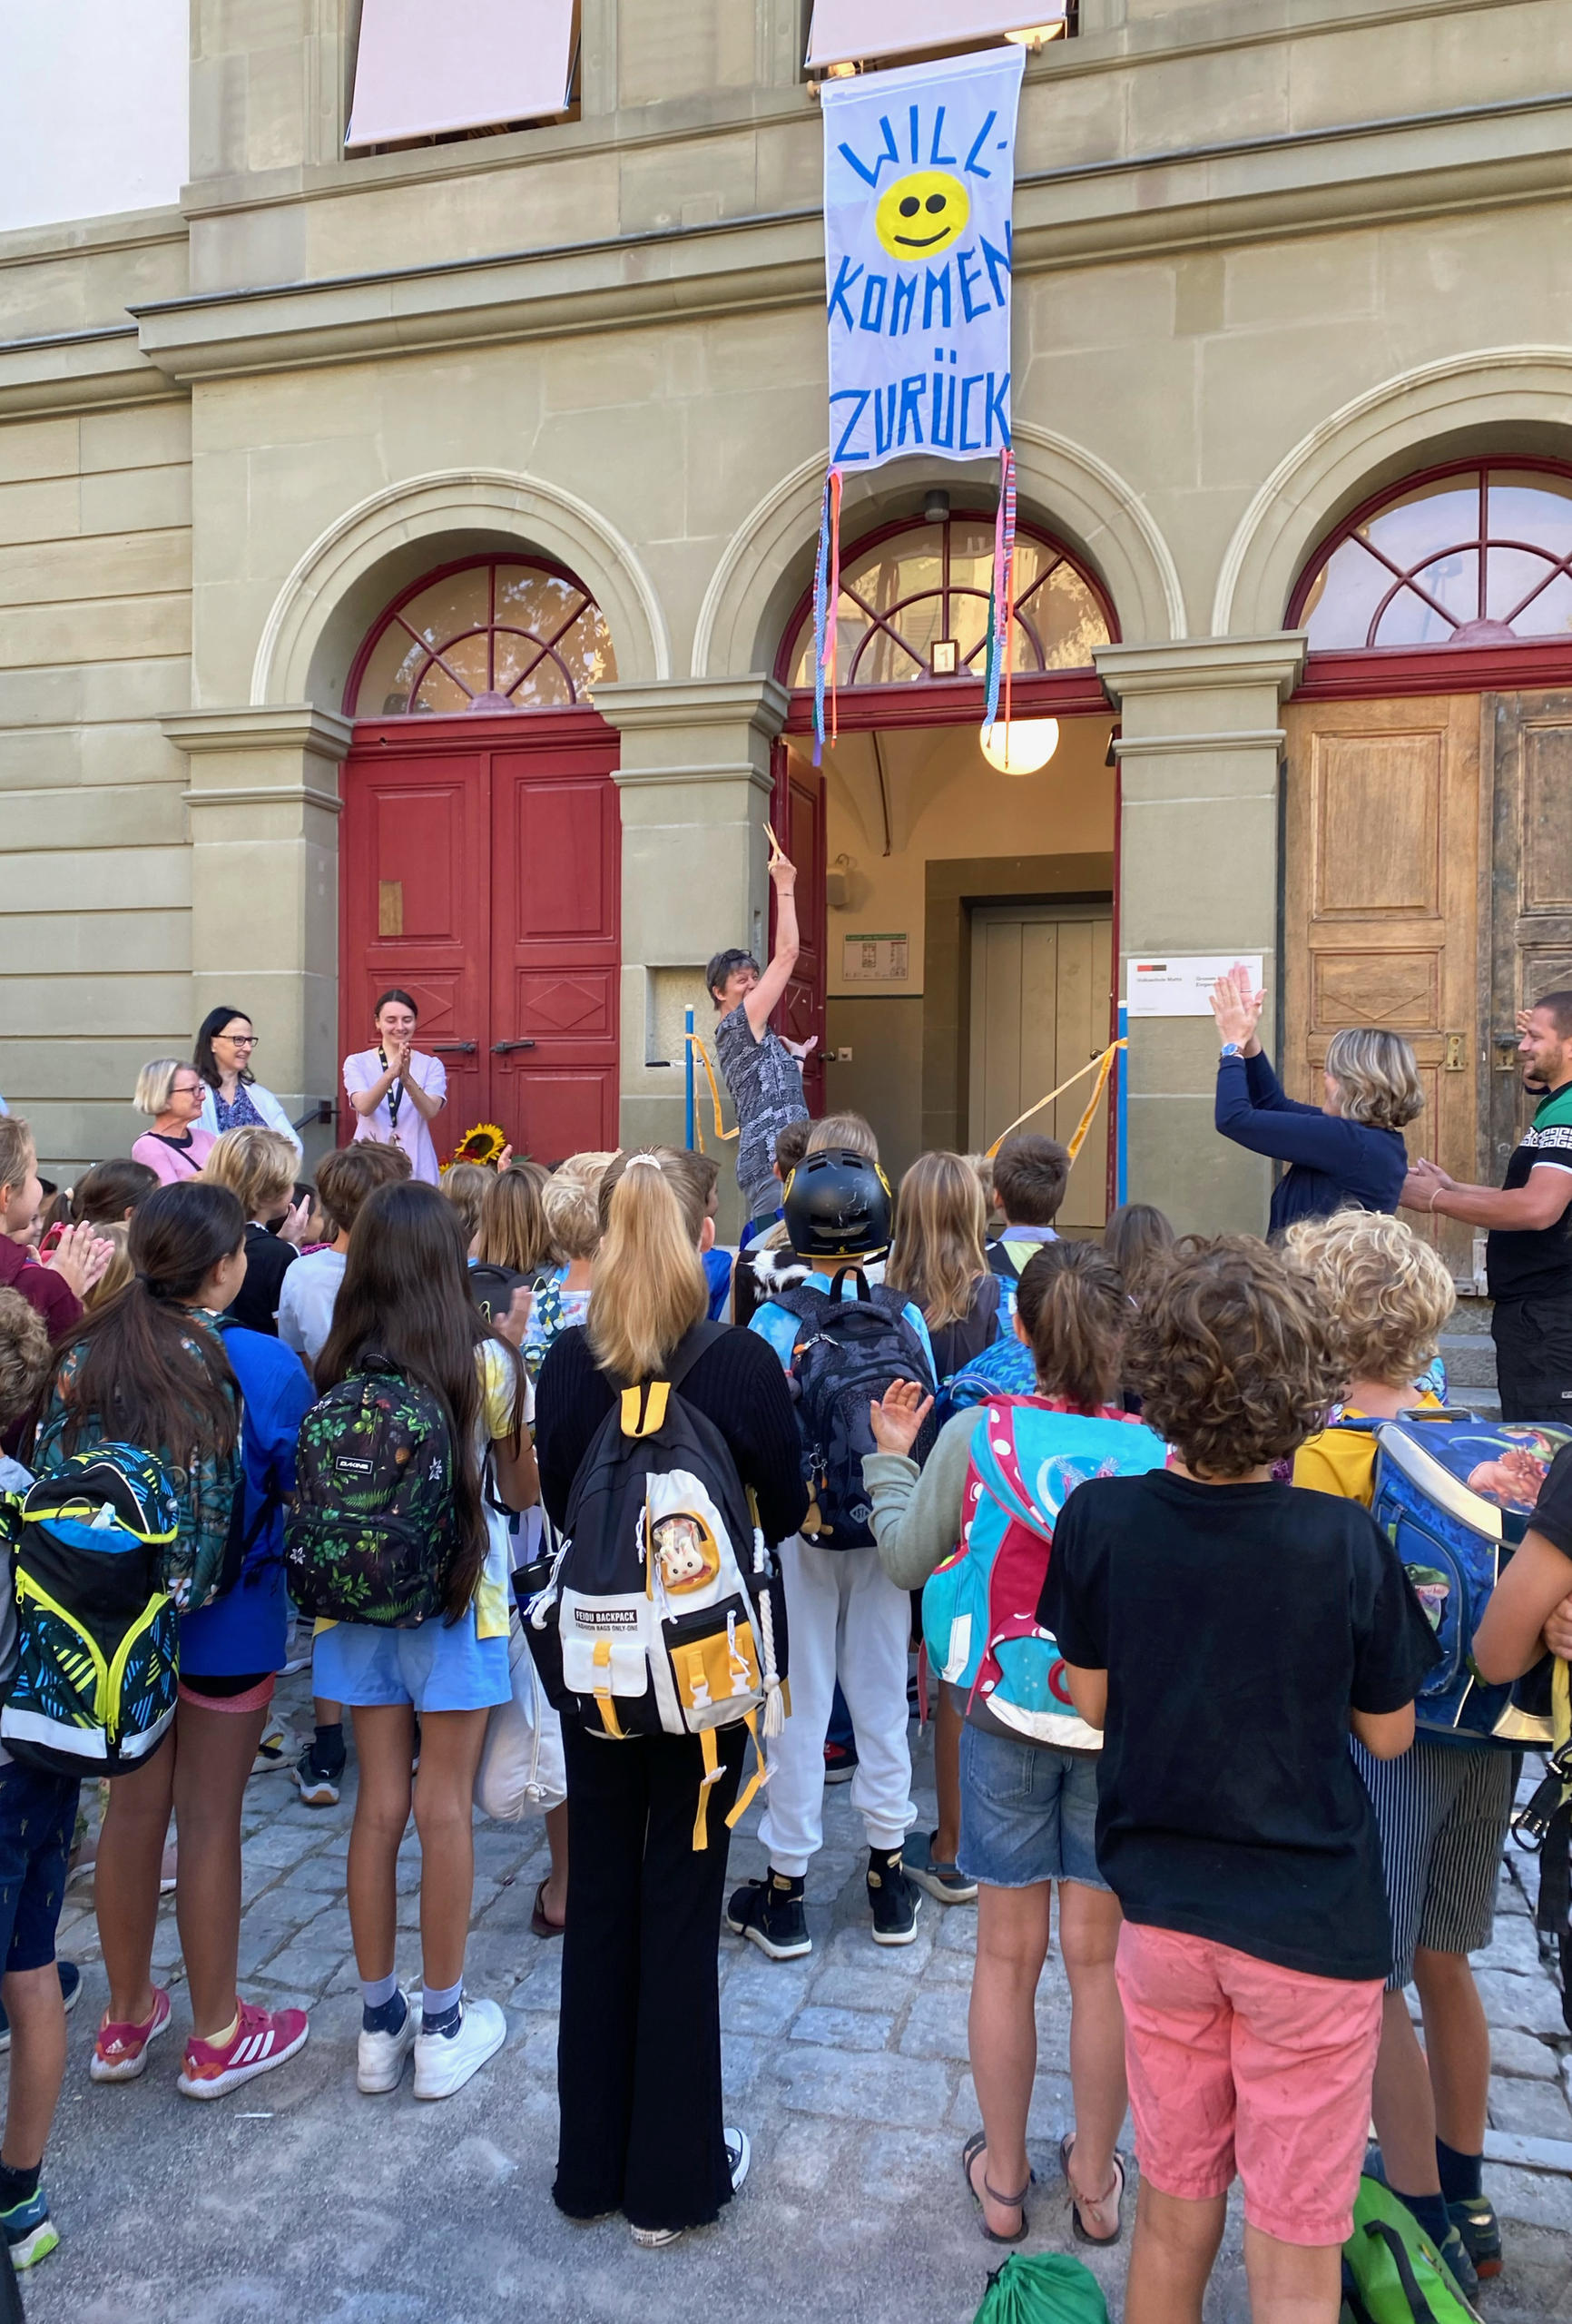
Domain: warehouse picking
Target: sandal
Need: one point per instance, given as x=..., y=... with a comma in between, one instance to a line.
x=1115, y=2195
x=978, y=2144
x=538, y=1921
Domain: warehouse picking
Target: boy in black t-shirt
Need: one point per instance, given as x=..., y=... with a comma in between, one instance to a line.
x=1227, y=1633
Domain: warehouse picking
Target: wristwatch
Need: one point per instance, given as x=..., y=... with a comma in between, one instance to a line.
x=1229, y=1049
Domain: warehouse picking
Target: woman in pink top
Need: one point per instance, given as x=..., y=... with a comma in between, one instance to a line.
x=176, y=1146
x=394, y=1093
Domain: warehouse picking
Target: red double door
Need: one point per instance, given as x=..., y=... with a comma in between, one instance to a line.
x=480, y=869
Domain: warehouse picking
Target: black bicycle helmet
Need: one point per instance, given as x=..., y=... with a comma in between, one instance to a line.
x=837, y=1206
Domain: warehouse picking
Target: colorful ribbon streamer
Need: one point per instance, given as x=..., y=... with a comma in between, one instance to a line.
x=723, y=1134
x=1002, y=605
x=1102, y=1066
x=826, y=609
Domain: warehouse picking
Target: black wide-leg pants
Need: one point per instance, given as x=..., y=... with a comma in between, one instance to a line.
x=639, y=2037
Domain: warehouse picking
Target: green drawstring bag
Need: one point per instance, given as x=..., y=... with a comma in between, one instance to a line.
x=1043, y=2288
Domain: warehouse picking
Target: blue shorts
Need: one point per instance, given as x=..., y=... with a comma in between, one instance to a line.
x=37, y=1826
x=1028, y=1812
x=436, y=1666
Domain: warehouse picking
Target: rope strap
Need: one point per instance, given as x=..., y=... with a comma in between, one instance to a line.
x=1102, y=1067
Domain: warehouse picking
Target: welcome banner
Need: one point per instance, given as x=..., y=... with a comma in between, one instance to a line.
x=918, y=179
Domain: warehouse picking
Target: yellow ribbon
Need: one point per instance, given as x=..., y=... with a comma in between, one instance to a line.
x=722, y=1134
x=1101, y=1066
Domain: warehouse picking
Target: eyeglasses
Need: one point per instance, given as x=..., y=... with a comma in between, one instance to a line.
x=188, y=1090
x=239, y=1040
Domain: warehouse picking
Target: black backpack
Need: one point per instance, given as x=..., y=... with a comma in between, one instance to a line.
x=849, y=1352
x=664, y=1613
x=373, y=1535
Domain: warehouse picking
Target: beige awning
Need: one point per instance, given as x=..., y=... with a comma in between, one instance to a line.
x=468, y=64
x=844, y=31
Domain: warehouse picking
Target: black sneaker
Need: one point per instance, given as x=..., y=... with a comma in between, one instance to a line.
x=1479, y=2231
x=318, y=1781
x=895, y=1899
x=839, y=1762
x=769, y=1914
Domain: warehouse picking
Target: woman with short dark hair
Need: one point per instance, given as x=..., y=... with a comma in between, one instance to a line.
x=394, y=1092
x=763, y=1071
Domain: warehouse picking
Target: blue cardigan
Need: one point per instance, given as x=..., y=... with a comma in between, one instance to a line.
x=1333, y=1164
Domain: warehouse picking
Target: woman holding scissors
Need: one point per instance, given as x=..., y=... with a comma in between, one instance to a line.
x=763, y=1071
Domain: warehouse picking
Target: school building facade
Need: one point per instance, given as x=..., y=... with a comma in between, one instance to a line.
x=405, y=555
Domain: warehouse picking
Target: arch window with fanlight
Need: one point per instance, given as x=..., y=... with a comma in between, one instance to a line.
x=495, y=635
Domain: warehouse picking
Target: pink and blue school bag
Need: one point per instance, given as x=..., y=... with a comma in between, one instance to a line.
x=979, y=1607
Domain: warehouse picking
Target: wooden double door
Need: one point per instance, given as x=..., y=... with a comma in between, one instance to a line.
x=480, y=869
x=1041, y=990
x=1428, y=889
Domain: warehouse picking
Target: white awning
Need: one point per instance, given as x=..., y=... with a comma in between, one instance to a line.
x=472, y=62
x=844, y=31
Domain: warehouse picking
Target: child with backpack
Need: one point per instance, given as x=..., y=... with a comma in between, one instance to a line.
x=1031, y=1174
x=936, y=1260
x=1225, y=1633
x=421, y=1424
x=995, y=1484
x=1442, y=1809
x=219, y=1407
x=652, y=1426
x=37, y=1822
x=841, y=1343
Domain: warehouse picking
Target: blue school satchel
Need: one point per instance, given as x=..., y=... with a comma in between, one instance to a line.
x=979, y=1607
x=1454, y=1495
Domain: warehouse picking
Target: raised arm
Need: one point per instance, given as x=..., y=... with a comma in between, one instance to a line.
x=761, y=1002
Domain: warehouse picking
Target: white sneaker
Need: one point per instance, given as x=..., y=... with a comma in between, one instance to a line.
x=379, y=2057
x=444, y=2063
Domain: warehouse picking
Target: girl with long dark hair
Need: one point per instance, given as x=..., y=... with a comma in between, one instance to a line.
x=405, y=1299
x=156, y=1368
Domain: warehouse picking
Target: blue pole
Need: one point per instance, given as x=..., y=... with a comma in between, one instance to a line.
x=1122, y=1088
x=688, y=1074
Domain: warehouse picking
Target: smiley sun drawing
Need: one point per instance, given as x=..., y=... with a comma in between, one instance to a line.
x=923, y=215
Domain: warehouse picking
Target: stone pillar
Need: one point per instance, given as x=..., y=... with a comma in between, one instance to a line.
x=1199, y=755
x=264, y=813
x=695, y=784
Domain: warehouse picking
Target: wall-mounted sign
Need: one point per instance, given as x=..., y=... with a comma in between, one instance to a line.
x=1179, y=984
x=875, y=959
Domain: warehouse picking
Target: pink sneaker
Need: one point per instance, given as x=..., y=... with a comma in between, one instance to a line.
x=262, y=2040
x=120, y=2053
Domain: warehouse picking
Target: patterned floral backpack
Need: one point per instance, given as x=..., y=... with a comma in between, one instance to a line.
x=372, y=1536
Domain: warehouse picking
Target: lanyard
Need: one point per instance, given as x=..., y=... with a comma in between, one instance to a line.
x=395, y=1095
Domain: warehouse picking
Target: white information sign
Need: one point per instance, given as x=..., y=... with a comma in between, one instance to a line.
x=875, y=959
x=1180, y=984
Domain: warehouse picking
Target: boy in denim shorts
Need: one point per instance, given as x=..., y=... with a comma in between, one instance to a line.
x=37, y=1826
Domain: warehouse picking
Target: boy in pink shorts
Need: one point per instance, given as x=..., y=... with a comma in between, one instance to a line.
x=1228, y=1634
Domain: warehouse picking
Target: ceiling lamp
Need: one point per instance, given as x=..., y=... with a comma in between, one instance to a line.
x=1023, y=747
x=1035, y=35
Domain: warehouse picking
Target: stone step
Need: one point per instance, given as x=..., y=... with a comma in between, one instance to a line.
x=1471, y=1316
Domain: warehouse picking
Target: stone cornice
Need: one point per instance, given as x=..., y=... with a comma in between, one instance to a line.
x=686, y=704
x=1204, y=664
x=291, y=726
x=1304, y=182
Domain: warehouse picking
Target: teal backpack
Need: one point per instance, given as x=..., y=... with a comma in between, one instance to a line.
x=1042, y=2288
x=96, y=1648
x=1392, y=2271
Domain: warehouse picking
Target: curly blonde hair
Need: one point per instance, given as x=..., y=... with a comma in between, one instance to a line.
x=1386, y=1293
x=1233, y=1357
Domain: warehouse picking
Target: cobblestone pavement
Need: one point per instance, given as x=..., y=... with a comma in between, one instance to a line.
x=297, y=2201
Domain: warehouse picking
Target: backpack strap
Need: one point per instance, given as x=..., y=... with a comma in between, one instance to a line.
x=1420, y=2307
x=643, y=1405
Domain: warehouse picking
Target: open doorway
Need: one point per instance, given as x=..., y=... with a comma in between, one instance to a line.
x=968, y=937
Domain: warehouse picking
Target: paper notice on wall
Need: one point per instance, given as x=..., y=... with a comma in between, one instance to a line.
x=1180, y=983
x=875, y=959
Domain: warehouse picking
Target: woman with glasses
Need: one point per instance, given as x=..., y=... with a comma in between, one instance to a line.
x=177, y=1145
x=225, y=1046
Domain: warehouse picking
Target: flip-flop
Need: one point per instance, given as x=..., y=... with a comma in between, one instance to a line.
x=537, y=1919
x=1115, y=2194
x=978, y=2144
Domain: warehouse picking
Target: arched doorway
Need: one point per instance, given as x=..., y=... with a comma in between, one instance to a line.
x=1429, y=813
x=479, y=861
x=959, y=954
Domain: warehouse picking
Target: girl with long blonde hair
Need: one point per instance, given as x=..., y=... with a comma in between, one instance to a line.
x=639, y=2044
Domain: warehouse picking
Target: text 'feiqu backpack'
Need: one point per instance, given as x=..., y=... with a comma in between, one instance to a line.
x=979, y=1607
x=664, y=1613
